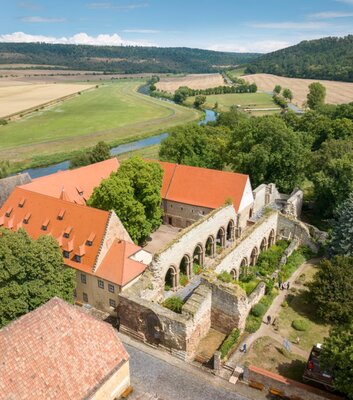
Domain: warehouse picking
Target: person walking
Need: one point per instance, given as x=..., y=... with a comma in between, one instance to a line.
x=269, y=320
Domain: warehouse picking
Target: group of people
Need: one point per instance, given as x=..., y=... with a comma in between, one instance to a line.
x=283, y=285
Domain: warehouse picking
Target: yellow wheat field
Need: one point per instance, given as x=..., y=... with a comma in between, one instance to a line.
x=336, y=92
x=195, y=81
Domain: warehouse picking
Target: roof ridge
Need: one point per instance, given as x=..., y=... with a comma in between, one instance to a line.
x=170, y=182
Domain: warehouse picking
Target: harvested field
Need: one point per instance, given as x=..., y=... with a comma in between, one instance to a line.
x=17, y=98
x=196, y=81
x=336, y=92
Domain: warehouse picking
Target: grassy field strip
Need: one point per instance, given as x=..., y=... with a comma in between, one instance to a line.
x=113, y=113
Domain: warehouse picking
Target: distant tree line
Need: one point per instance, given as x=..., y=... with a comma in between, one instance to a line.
x=121, y=59
x=326, y=58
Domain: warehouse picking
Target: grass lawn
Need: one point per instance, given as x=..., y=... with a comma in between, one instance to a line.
x=113, y=112
x=236, y=73
x=268, y=354
x=244, y=100
x=298, y=308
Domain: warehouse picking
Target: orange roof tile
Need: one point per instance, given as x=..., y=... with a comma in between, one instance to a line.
x=57, y=352
x=78, y=229
x=78, y=184
x=117, y=267
x=201, y=186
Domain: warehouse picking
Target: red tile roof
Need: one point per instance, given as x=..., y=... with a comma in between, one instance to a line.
x=74, y=185
x=57, y=352
x=201, y=186
x=78, y=229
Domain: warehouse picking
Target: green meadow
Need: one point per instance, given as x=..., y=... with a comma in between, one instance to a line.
x=114, y=112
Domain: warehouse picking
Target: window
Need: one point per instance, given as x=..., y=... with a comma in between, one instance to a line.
x=181, y=208
x=77, y=258
x=66, y=254
x=112, y=303
x=9, y=211
x=26, y=218
x=61, y=214
x=85, y=297
x=83, y=278
x=22, y=202
x=171, y=206
x=111, y=288
x=100, y=284
x=67, y=232
x=45, y=225
x=89, y=241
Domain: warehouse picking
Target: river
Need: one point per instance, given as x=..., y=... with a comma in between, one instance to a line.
x=210, y=116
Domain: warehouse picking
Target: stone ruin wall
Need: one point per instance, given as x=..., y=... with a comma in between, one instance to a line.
x=150, y=322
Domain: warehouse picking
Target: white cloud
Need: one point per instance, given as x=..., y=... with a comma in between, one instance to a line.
x=290, y=25
x=36, y=19
x=332, y=14
x=79, y=38
x=140, y=31
x=264, y=46
x=111, y=6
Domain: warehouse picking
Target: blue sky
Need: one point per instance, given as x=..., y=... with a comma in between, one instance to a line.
x=230, y=25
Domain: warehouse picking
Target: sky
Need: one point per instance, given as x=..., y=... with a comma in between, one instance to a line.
x=224, y=25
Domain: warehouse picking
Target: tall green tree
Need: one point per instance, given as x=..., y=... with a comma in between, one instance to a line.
x=199, y=101
x=337, y=355
x=331, y=290
x=277, y=89
x=99, y=152
x=269, y=151
x=31, y=273
x=181, y=95
x=316, y=95
x=342, y=232
x=287, y=94
x=134, y=193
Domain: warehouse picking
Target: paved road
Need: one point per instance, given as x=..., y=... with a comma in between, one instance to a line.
x=157, y=377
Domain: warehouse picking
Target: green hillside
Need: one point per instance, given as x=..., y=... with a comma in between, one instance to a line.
x=327, y=58
x=121, y=59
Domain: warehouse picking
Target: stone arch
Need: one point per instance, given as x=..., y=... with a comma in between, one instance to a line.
x=234, y=274
x=271, y=238
x=230, y=231
x=197, y=256
x=221, y=237
x=171, y=278
x=244, y=267
x=151, y=327
x=210, y=246
x=263, y=245
x=254, y=256
x=185, y=265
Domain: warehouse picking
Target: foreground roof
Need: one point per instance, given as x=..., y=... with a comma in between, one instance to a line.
x=201, y=186
x=57, y=352
x=7, y=185
x=74, y=185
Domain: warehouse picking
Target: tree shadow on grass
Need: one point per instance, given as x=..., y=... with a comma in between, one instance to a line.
x=302, y=305
x=292, y=369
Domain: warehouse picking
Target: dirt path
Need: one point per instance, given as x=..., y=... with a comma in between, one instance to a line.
x=268, y=330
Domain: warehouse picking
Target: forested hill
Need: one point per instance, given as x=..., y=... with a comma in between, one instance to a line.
x=123, y=59
x=328, y=58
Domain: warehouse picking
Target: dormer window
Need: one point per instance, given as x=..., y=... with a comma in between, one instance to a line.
x=77, y=258
x=61, y=214
x=45, y=225
x=79, y=190
x=66, y=254
x=26, y=218
x=9, y=211
x=21, y=203
x=67, y=232
x=89, y=241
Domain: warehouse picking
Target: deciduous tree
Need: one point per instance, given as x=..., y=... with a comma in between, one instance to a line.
x=316, y=95
x=199, y=101
x=277, y=89
x=342, y=232
x=31, y=272
x=287, y=94
x=337, y=356
x=331, y=290
x=4, y=169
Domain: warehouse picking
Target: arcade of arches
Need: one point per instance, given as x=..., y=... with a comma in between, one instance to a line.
x=186, y=264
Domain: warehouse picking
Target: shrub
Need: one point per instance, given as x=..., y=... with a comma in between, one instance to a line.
x=268, y=260
x=167, y=287
x=225, y=276
x=174, y=303
x=183, y=280
x=252, y=324
x=284, y=304
x=293, y=262
x=229, y=342
x=258, y=310
x=196, y=268
x=270, y=284
x=248, y=286
x=300, y=325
